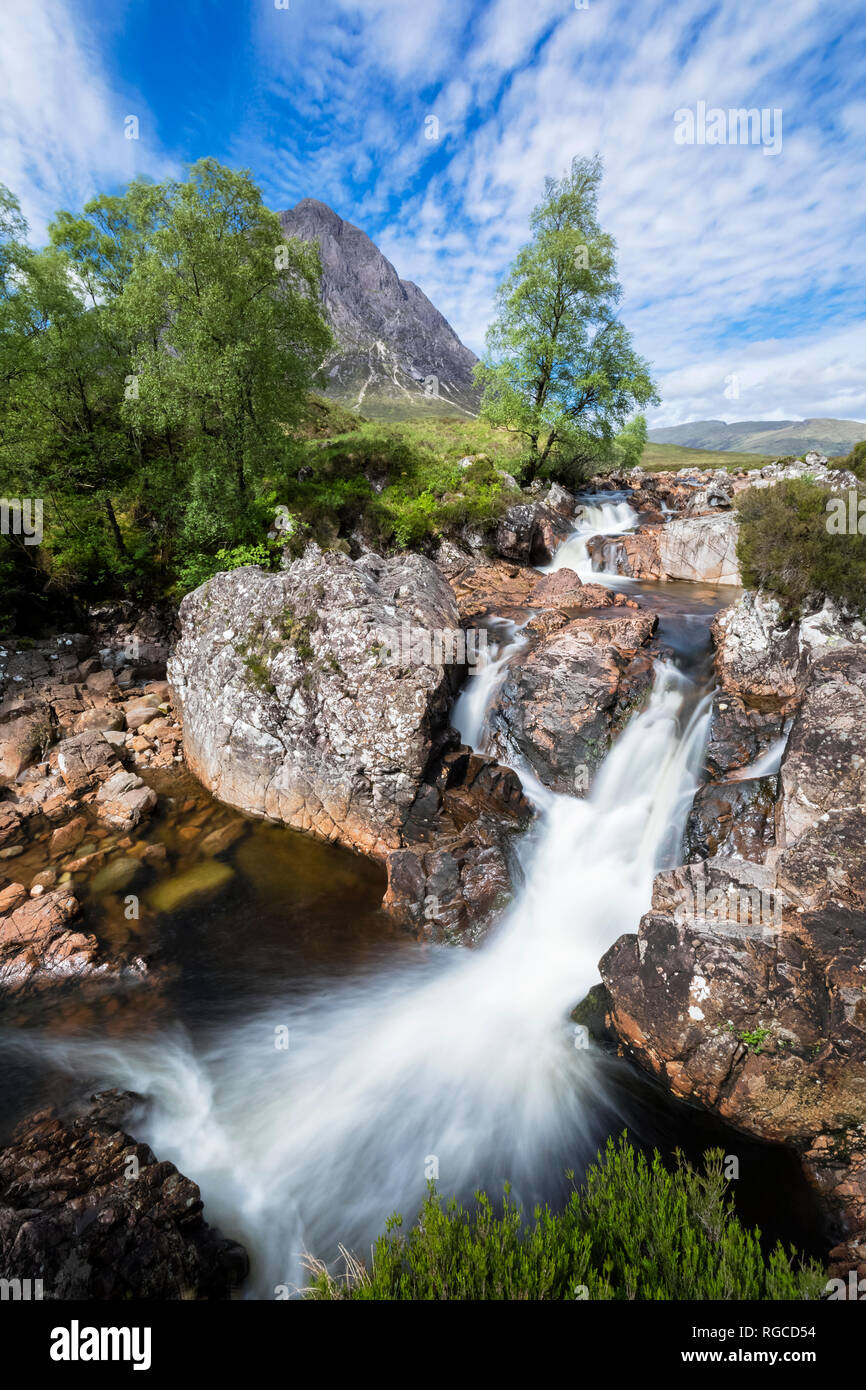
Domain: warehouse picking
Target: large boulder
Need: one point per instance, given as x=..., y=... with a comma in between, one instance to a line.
x=824, y=770
x=530, y=532
x=314, y=696
x=565, y=698
x=698, y=548
x=91, y=1213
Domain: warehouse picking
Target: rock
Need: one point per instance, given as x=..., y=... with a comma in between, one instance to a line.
x=68, y=837
x=103, y=719
x=11, y=823
x=102, y=683
x=562, y=702
x=25, y=730
x=530, y=533
x=221, y=839
x=492, y=587
x=37, y=945
x=560, y=501
x=124, y=800
x=702, y=549
x=739, y=735
x=733, y=818
x=824, y=769
x=140, y=711
x=92, y=1214
x=757, y=656
x=744, y=988
x=200, y=881
x=12, y=896
x=84, y=760
x=116, y=875
x=313, y=696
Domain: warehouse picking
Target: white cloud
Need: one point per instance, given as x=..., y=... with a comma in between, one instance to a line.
x=61, y=125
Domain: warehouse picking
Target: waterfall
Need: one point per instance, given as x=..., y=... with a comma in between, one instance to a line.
x=462, y=1066
x=469, y=715
x=597, y=518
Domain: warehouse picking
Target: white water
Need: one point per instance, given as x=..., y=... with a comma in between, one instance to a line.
x=603, y=519
x=473, y=704
x=467, y=1056
x=766, y=766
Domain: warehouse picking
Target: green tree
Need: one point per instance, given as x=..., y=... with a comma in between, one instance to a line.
x=560, y=368
x=227, y=329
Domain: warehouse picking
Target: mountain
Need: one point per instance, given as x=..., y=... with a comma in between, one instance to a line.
x=779, y=437
x=396, y=353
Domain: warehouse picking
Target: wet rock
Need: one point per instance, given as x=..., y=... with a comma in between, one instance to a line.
x=221, y=839
x=93, y=1214
x=200, y=881
x=116, y=875
x=562, y=702
x=733, y=818
x=739, y=735
x=68, y=837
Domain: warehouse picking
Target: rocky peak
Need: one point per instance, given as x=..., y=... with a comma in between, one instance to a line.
x=395, y=352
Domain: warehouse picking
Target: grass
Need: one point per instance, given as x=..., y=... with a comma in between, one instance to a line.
x=660, y=458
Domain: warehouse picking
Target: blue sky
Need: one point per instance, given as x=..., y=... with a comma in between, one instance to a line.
x=743, y=270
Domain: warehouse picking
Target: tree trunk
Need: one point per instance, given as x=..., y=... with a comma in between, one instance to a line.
x=115, y=529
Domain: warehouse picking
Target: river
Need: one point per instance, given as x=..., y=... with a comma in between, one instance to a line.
x=311, y=1068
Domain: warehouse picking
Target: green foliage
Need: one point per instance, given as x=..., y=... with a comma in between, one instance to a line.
x=855, y=462
x=398, y=490
x=785, y=546
x=560, y=369
x=634, y=1231
x=155, y=360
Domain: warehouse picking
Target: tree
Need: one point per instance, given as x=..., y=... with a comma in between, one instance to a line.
x=560, y=368
x=228, y=332
x=154, y=360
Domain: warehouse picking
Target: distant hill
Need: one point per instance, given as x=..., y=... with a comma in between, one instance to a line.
x=397, y=355
x=776, y=437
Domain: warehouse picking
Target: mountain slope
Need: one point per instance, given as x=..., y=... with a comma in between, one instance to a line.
x=780, y=437
x=397, y=354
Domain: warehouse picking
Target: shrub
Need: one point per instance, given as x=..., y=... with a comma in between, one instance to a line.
x=784, y=545
x=634, y=1231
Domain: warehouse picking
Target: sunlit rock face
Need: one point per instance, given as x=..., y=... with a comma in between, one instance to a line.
x=313, y=696
x=702, y=549
x=394, y=348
